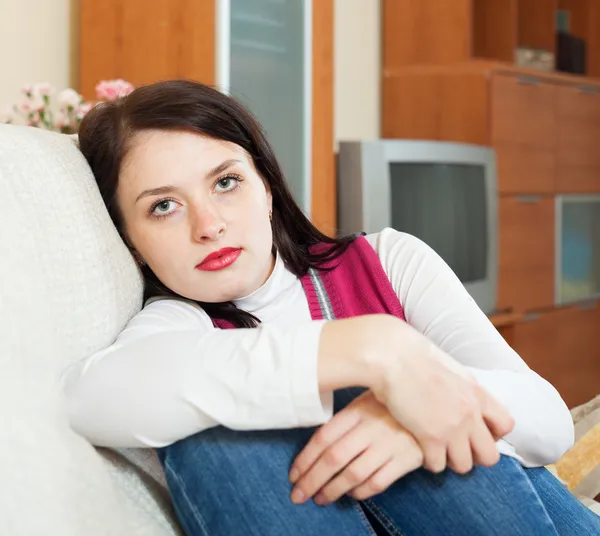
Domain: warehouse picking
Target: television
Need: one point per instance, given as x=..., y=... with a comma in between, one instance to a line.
x=441, y=192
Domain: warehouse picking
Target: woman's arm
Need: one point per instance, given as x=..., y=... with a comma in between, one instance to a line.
x=171, y=374
x=436, y=303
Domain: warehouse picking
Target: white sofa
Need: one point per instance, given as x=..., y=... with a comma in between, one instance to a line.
x=68, y=285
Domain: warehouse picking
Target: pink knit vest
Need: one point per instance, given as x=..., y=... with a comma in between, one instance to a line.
x=354, y=284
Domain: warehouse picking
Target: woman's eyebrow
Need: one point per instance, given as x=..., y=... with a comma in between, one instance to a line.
x=161, y=190
x=223, y=166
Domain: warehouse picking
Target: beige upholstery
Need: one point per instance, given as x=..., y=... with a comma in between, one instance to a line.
x=68, y=285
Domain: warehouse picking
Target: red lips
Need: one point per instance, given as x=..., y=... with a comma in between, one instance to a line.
x=218, y=260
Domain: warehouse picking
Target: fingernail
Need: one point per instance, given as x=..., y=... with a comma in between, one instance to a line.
x=294, y=475
x=297, y=496
x=320, y=500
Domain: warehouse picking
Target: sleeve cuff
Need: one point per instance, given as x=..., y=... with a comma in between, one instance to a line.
x=312, y=408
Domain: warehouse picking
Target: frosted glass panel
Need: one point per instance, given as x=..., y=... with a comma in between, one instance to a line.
x=579, y=274
x=267, y=73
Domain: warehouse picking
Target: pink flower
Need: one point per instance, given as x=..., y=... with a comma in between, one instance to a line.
x=34, y=119
x=60, y=120
x=109, y=90
x=27, y=89
x=43, y=89
x=83, y=109
x=36, y=103
x=69, y=98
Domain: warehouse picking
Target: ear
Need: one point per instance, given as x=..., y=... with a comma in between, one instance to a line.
x=134, y=252
x=138, y=258
x=270, y=200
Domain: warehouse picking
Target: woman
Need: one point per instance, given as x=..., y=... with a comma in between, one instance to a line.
x=255, y=318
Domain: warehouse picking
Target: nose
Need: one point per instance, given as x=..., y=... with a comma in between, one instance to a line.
x=207, y=224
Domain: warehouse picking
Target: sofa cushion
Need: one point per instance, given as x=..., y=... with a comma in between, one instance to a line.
x=68, y=285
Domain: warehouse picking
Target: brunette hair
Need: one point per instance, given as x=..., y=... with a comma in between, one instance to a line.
x=105, y=137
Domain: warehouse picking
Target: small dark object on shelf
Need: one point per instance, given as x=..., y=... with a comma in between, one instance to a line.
x=570, y=53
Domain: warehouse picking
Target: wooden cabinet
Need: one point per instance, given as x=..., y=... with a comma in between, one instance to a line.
x=521, y=111
x=522, y=130
x=578, y=139
x=525, y=169
x=451, y=31
x=526, y=253
x=562, y=346
x=545, y=128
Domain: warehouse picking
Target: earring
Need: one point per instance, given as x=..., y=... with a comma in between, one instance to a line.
x=270, y=215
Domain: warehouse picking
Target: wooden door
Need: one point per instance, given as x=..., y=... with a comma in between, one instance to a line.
x=578, y=139
x=526, y=253
x=522, y=133
x=144, y=41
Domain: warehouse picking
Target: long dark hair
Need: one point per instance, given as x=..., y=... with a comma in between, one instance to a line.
x=105, y=136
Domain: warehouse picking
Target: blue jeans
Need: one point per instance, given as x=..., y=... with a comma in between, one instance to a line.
x=229, y=483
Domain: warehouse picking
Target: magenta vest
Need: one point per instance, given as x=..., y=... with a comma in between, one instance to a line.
x=354, y=285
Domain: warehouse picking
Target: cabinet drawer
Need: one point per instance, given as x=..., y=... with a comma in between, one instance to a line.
x=578, y=353
x=522, y=111
x=526, y=253
x=576, y=179
x=523, y=169
x=563, y=347
x=577, y=139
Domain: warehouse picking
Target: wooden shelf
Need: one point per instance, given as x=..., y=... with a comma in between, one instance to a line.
x=450, y=31
x=500, y=320
x=500, y=67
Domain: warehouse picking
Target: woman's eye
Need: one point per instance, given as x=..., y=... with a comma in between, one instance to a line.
x=226, y=183
x=163, y=207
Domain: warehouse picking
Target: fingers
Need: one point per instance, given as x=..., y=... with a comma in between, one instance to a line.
x=434, y=456
x=323, y=438
x=355, y=474
x=384, y=477
x=483, y=446
x=332, y=460
x=460, y=456
x=498, y=419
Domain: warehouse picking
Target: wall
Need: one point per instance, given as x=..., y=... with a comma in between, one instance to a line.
x=35, y=45
x=357, y=69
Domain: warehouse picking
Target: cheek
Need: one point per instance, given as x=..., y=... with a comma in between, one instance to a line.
x=156, y=242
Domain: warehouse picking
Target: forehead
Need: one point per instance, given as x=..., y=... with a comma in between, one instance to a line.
x=154, y=147
x=158, y=157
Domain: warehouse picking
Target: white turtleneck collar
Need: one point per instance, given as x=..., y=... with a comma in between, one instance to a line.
x=276, y=294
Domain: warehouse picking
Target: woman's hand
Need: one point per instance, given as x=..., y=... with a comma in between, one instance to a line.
x=454, y=420
x=361, y=451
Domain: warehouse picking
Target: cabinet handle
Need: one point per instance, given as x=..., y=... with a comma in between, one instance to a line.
x=530, y=317
x=589, y=89
x=587, y=305
x=529, y=199
x=528, y=80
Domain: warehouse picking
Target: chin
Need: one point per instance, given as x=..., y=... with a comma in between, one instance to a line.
x=229, y=295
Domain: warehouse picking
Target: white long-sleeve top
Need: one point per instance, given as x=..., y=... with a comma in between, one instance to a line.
x=171, y=373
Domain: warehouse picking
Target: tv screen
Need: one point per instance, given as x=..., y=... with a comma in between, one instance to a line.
x=445, y=206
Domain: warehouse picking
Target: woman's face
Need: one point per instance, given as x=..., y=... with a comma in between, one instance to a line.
x=197, y=212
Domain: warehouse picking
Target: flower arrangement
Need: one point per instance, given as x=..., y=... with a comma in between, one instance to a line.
x=41, y=106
